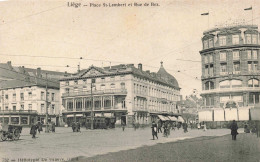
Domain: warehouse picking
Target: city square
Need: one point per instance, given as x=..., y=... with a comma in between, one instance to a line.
x=65, y=144
x=129, y=81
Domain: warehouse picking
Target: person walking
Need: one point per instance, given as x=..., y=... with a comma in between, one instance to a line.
x=234, y=129
x=78, y=127
x=123, y=125
x=159, y=126
x=53, y=127
x=33, y=130
x=154, y=130
x=39, y=124
x=73, y=126
x=185, y=127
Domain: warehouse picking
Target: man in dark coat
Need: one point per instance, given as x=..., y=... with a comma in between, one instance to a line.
x=234, y=129
x=33, y=130
x=53, y=127
x=159, y=126
x=123, y=125
x=78, y=127
x=154, y=130
x=39, y=125
x=73, y=126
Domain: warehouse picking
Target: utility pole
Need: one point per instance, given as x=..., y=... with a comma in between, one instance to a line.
x=46, y=120
x=3, y=105
x=92, y=107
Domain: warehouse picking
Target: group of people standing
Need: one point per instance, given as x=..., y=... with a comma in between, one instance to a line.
x=39, y=126
x=76, y=127
x=167, y=127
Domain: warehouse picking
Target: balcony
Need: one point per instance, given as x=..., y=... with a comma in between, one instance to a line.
x=96, y=92
x=234, y=89
x=223, y=73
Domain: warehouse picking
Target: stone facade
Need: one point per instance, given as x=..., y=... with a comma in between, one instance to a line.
x=124, y=92
x=230, y=66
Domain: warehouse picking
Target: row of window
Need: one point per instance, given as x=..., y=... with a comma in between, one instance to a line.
x=222, y=40
x=43, y=108
x=231, y=83
x=141, y=89
x=102, y=80
x=29, y=96
x=252, y=66
x=94, y=87
x=253, y=98
x=251, y=55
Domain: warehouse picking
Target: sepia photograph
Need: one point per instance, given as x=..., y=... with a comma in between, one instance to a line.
x=129, y=80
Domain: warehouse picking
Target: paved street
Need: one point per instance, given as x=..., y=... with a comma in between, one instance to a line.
x=66, y=144
x=202, y=149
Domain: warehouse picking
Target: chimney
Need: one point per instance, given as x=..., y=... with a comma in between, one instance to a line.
x=23, y=70
x=38, y=72
x=148, y=71
x=9, y=64
x=140, y=66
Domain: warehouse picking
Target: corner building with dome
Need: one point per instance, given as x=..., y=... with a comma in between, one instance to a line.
x=121, y=92
x=230, y=73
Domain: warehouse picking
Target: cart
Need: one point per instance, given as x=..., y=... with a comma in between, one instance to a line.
x=11, y=132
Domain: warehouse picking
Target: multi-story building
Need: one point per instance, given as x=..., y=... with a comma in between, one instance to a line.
x=230, y=71
x=23, y=95
x=123, y=92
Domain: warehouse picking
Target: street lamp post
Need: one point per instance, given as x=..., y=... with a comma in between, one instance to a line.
x=92, y=107
x=46, y=128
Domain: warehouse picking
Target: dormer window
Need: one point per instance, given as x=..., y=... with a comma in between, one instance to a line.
x=248, y=39
x=210, y=43
x=205, y=42
x=222, y=40
x=235, y=39
x=75, y=82
x=254, y=39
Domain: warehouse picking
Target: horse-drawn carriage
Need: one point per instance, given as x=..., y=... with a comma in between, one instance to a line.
x=11, y=132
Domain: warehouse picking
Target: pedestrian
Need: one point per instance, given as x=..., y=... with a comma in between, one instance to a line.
x=33, y=130
x=78, y=127
x=123, y=125
x=169, y=126
x=73, y=126
x=179, y=125
x=39, y=124
x=185, y=127
x=53, y=127
x=234, y=129
x=165, y=129
x=159, y=126
x=154, y=130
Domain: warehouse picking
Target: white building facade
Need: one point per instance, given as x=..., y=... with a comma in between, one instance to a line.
x=122, y=92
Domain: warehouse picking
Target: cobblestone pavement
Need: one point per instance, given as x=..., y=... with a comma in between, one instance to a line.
x=65, y=144
x=202, y=149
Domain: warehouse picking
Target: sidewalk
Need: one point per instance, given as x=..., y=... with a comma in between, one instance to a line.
x=202, y=149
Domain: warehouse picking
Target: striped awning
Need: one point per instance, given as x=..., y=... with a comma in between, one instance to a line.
x=163, y=118
x=180, y=119
x=172, y=118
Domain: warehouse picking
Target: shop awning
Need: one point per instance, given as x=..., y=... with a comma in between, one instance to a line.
x=70, y=115
x=180, y=119
x=172, y=118
x=163, y=118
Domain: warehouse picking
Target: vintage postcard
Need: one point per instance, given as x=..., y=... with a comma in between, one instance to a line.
x=129, y=80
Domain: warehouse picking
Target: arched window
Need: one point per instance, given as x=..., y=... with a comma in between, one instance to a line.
x=236, y=83
x=224, y=84
x=112, y=86
x=230, y=83
x=209, y=85
x=253, y=83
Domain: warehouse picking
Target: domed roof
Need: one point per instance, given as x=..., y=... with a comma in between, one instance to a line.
x=167, y=77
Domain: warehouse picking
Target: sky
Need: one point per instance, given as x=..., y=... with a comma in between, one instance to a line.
x=55, y=35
